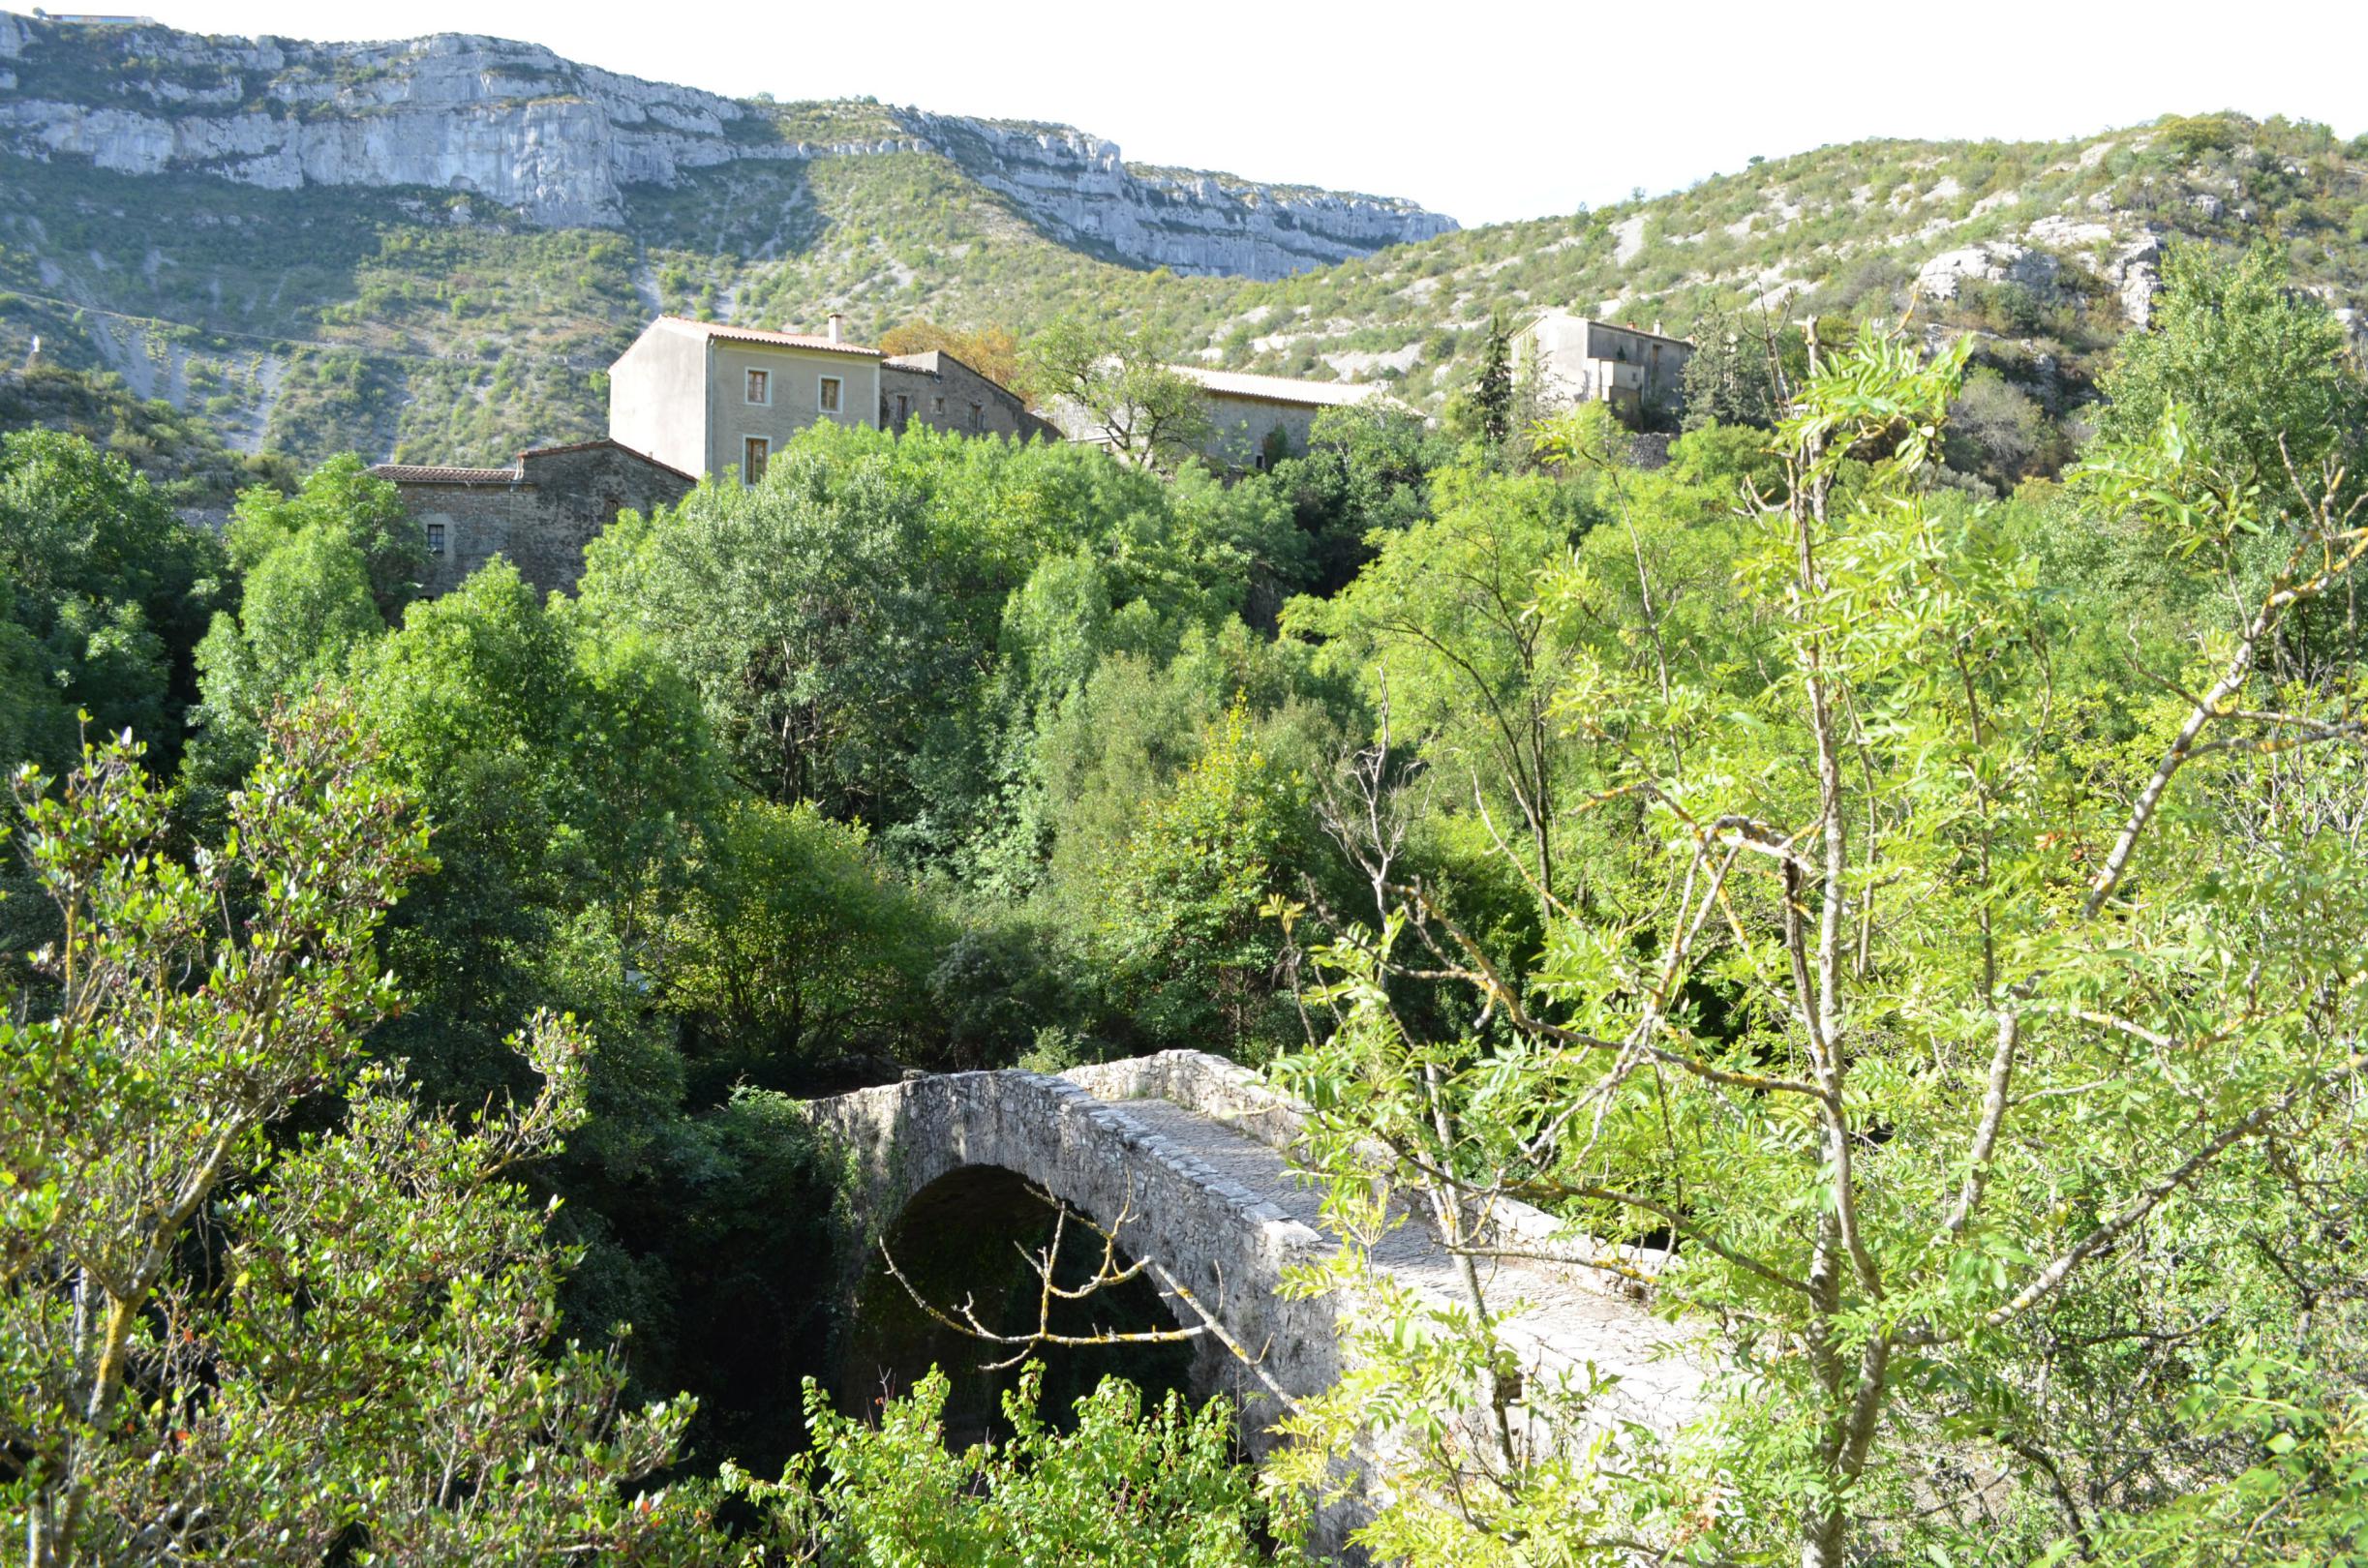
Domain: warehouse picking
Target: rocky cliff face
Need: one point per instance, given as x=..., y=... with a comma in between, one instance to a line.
x=1078, y=189
x=561, y=142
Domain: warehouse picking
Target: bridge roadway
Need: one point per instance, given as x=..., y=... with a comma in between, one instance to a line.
x=1199, y=1151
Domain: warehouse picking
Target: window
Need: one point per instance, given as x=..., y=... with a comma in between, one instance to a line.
x=826, y=394
x=754, y=451
x=937, y=408
x=977, y=416
x=436, y=538
x=760, y=386
x=904, y=410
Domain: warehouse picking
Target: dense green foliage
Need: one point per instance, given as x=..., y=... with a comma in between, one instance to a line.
x=1918, y=898
x=103, y=594
x=359, y=1362
x=1968, y=1032
x=1155, y=1487
x=438, y=326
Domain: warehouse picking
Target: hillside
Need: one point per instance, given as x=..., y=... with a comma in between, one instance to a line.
x=431, y=250
x=435, y=246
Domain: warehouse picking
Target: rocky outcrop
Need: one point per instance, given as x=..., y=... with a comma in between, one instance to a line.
x=1997, y=261
x=2127, y=262
x=561, y=143
x=1077, y=188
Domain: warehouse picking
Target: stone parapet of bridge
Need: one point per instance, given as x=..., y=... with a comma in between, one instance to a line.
x=1196, y=1154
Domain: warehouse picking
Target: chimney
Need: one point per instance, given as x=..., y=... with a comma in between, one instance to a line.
x=838, y=326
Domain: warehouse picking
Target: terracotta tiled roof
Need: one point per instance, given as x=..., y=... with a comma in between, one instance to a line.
x=425, y=473
x=1281, y=388
x=782, y=340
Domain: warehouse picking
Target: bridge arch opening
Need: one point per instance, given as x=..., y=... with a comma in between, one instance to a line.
x=967, y=1238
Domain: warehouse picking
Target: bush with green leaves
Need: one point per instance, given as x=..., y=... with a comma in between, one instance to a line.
x=106, y=594
x=1159, y=1489
x=216, y=1346
x=2261, y=375
x=1987, y=1078
x=1186, y=943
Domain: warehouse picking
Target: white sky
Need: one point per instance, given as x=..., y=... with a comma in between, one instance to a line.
x=1479, y=109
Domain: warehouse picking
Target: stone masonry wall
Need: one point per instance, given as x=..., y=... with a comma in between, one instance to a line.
x=560, y=500
x=939, y=391
x=1155, y=1137
x=1224, y=1244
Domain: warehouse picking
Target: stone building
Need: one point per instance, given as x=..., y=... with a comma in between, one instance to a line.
x=710, y=400
x=539, y=514
x=1253, y=420
x=688, y=399
x=937, y=390
x=1568, y=359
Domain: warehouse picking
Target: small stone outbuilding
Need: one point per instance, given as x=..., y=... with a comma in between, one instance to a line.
x=539, y=514
x=1253, y=421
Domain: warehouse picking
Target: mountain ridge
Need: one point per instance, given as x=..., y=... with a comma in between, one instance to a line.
x=421, y=323
x=561, y=142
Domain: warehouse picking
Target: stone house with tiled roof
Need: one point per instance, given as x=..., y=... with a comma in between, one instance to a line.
x=710, y=399
x=540, y=513
x=688, y=400
x=1566, y=359
x=937, y=390
x=1256, y=420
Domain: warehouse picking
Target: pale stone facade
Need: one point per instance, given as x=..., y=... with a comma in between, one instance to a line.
x=1253, y=420
x=715, y=400
x=1568, y=359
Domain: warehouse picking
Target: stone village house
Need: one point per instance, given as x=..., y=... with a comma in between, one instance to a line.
x=1569, y=359
x=697, y=398
x=1256, y=420
x=1253, y=421
x=687, y=400
x=540, y=513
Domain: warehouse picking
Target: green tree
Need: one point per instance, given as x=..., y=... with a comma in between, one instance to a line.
x=304, y=609
x=112, y=588
x=1491, y=385
x=1438, y=632
x=1741, y=369
x=793, y=946
x=1122, y=389
x=562, y=769
x=2260, y=373
x=1997, y=431
x=363, y=1370
x=1367, y=468
x=1185, y=940
x=1122, y=1486
x=1927, y=1005
x=806, y=611
x=343, y=498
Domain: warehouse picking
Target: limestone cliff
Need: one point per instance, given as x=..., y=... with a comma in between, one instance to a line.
x=561, y=143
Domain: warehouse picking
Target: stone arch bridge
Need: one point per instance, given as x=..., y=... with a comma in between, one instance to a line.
x=1197, y=1150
